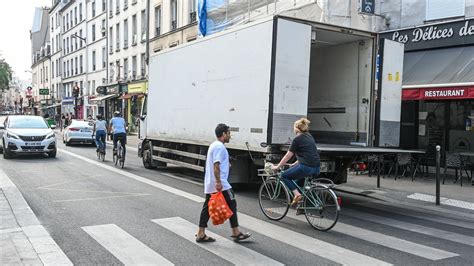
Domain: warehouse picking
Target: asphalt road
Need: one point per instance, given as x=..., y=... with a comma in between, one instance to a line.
x=99, y=214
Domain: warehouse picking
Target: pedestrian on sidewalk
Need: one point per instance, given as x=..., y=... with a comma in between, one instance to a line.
x=216, y=179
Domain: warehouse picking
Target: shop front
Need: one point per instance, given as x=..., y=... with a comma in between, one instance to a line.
x=438, y=86
x=133, y=102
x=67, y=105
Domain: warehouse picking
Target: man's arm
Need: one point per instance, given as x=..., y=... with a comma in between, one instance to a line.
x=217, y=174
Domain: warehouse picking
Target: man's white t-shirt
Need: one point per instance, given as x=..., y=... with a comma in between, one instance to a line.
x=216, y=153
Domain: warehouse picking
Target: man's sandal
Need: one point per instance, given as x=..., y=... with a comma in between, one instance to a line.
x=241, y=237
x=296, y=199
x=204, y=239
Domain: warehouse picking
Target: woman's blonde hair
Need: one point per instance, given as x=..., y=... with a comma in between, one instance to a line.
x=302, y=125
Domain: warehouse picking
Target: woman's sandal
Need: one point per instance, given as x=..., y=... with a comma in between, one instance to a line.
x=241, y=237
x=204, y=239
x=296, y=199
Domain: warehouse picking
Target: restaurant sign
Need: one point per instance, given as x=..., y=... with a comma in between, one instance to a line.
x=448, y=93
x=434, y=36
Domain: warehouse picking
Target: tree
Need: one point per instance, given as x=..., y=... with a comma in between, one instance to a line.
x=5, y=75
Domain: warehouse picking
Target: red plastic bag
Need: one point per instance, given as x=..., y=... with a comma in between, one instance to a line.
x=219, y=211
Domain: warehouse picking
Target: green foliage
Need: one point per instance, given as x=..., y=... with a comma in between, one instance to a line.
x=5, y=75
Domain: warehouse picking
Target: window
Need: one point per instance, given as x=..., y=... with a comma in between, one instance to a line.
x=117, y=6
x=134, y=67
x=111, y=40
x=67, y=21
x=125, y=4
x=46, y=74
x=75, y=15
x=64, y=69
x=111, y=72
x=75, y=66
x=437, y=9
x=93, y=8
x=125, y=33
x=80, y=65
x=157, y=21
x=104, y=57
x=111, y=8
x=80, y=12
x=134, y=29
x=52, y=69
x=52, y=24
x=93, y=32
x=80, y=40
x=72, y=18
x=117, y=67
x=104, y=4
x=143, y=31
x=117, y=37
x=102, y=29
x=125, y=68
x=64, y=44
x=143, y=63
x=192, y=11
x=174, y=15
x=68, y=67
x=64, y=23
x=93, y=60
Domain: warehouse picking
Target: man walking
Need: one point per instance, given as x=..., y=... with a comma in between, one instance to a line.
x=216, y=179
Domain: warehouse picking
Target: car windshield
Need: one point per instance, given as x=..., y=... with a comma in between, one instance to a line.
x=27, y=122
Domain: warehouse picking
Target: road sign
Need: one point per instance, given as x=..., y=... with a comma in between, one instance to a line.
x=44, y=91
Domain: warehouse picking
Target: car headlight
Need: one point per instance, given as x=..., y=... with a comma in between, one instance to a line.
x=50, y=136
x=12, y=136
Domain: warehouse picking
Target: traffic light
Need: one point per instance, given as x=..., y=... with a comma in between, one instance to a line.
x=75, y=91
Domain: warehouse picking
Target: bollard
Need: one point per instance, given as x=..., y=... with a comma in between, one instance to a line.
x=438, y=159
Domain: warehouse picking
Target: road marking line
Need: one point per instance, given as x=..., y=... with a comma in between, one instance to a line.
x=425, y=216
x=444, y=201
x=224, y=248
x=306, y=243
x=166, y=188
x=384, y=240
x=99, y=198
x=47, y=249
x=454, y=237
x=126, y=248
x=184, y=179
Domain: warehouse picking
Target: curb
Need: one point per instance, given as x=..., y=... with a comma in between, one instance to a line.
x=41, y=241
x=380, y=195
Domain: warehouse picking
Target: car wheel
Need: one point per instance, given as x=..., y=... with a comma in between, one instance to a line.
x=67, y=143
x=52, y=154
x=6, y=153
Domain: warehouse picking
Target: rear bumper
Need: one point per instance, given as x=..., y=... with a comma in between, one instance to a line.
x=81, y=140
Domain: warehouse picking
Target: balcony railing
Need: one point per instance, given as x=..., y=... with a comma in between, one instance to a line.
x=192, y=17
x=174, y=25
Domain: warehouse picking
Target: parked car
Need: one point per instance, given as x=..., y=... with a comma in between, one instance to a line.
x=23, y=134
x=78, y=132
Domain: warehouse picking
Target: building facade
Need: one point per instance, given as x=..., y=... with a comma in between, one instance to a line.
x=57, y=92
x=438, y=75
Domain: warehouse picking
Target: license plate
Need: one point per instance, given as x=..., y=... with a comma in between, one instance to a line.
x=36, y=143
x=86, y=130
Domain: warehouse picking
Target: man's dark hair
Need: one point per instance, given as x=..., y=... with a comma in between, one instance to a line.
x=221, y=129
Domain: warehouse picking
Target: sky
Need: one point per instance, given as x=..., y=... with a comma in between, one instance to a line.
x=16, y=20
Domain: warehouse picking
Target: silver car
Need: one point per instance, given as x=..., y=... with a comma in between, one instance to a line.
x=27, y=135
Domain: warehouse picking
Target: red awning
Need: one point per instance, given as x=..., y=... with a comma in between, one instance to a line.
x=447, y=93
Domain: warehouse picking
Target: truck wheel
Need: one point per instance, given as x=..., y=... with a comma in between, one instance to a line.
x=147, y=156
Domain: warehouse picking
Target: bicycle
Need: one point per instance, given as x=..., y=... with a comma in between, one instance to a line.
x=101, y=151
x=319, y=203
x=119, y=155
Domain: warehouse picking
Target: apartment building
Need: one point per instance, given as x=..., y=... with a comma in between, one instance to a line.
x=40, y=67
x=438, y=72
x=74, y=41
x=96, y=60
x=56, y=49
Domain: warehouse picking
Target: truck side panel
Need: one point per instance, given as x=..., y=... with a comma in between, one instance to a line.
x=290, y=92
x=221, y=79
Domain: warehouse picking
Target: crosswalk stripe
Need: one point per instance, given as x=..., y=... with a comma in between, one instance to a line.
x=123, y=246
x=427, y=216
x=454, y=237
x=385, y=240
x=224, y=248
x=306, y=243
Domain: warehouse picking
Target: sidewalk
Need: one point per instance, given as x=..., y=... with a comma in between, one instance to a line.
x=419, y=193
x=23, y=240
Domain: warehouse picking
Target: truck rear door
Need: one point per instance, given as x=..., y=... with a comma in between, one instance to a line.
x=389, y=93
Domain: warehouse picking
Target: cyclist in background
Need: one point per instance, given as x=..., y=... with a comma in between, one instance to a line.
x=100, y=131
x=117, y=126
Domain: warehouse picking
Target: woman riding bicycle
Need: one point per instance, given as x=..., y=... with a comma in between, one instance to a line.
x=307, y=164
x=100, y=131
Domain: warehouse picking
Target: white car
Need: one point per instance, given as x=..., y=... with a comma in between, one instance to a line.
x=22, y=134
x=78, y=132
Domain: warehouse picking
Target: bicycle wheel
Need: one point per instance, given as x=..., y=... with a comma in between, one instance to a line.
x=121, y=158
x=115, y=157
x=274, y=199
x=321, y=208
x=102, y=156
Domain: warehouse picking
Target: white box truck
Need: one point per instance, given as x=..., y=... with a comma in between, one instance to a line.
x=259, y=78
